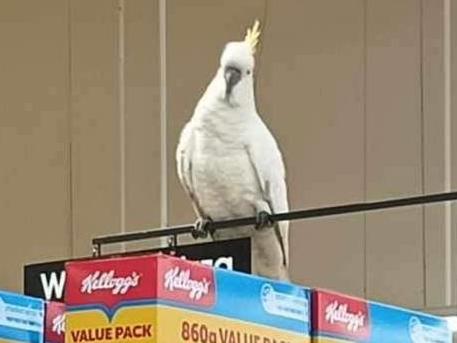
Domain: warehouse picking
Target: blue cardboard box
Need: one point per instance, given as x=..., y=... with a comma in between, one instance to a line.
x=341, y=318
x=21, y=318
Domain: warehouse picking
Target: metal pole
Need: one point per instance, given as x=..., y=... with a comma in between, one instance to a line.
x=293, y=215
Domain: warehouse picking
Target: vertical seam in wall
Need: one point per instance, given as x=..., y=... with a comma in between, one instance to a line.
x=365, y=141
x=163, y=114
x=422, y=146
x=69, y=133
x=447, y=146
x=121, y=95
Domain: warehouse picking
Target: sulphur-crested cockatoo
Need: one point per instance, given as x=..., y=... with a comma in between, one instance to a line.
x=230, y=165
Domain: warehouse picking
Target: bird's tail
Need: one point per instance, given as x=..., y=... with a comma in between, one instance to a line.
x=282, y=233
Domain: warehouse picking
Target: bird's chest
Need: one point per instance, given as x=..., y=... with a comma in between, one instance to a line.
x=224, y=170
x=224, y=179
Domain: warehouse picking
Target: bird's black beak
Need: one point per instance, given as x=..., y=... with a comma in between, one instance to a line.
x=232, y=76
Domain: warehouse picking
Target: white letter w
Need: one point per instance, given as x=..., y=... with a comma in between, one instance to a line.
x=53, y=285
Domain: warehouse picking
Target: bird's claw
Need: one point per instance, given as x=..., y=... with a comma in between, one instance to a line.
x=263, y=220
x=201, y=228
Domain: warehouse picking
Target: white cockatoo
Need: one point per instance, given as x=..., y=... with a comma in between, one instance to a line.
x=230, y=165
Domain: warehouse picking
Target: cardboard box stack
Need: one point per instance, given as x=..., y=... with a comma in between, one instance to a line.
x=164, y=299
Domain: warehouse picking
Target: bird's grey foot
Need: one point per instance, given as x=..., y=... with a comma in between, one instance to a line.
x=201, y=228
x=263, y=220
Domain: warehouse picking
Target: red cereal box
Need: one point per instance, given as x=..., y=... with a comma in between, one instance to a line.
x=54, y=322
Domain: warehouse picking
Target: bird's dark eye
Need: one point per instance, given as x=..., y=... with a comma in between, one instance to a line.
x=248, y=72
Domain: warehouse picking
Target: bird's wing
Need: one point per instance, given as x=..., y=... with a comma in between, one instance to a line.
x=268, y=164
x=184, y=153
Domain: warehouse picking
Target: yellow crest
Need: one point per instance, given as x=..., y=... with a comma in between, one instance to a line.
x=252, y=36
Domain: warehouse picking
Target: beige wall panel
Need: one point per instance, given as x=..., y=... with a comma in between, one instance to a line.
x=311, y=94
x=95, y=121
x=142, y=115
x=395, y=237
x=34, y=173
x=453, y=76
x=433, y=143
x=197, y=31
x=329, y=254
x=395, y=257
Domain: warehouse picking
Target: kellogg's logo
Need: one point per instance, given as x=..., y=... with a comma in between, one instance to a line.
x=341, y=316
x=338, y=313
x=176, y=278
x=186, y=282
x=108, y=281
x=58, y=324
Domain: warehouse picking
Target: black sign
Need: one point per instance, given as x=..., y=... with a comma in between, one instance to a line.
x=47, y=280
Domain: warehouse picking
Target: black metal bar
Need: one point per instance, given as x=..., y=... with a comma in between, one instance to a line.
x=139, y=235
x=175, y=241
x=293, y=215
x=363, y=207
